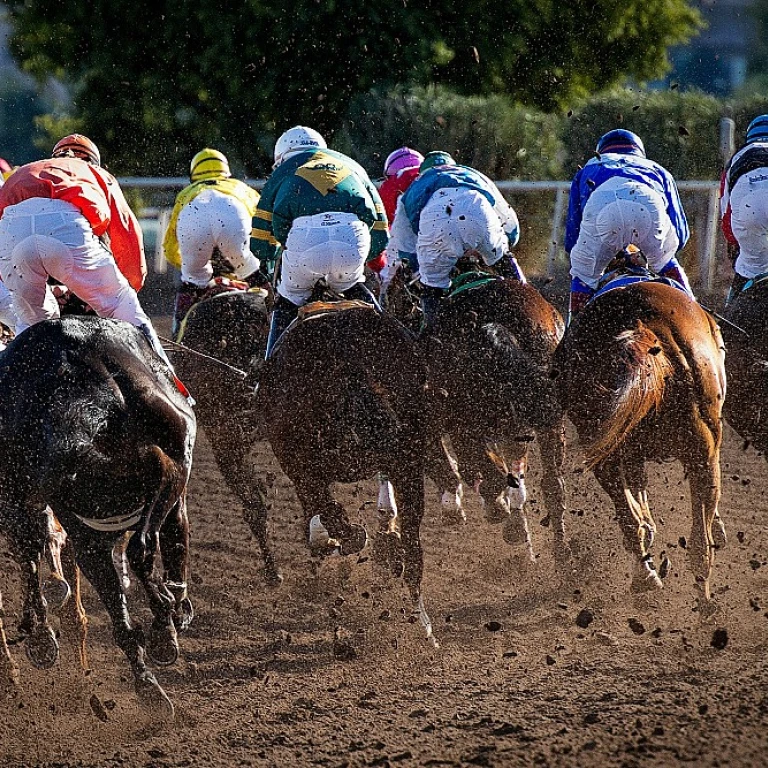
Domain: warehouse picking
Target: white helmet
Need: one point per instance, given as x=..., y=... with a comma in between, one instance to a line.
x=297, y=139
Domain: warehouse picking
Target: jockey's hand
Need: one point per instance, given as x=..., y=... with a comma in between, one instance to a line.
x=258, y=279
x=378, y=263
x=61, y=294
x=733, y=252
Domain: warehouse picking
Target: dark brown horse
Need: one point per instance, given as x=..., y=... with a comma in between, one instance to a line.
x=489, y=358
x=231, y=328
x=93, y=427
x=343, y=397
x=640, y=372
x=746, y=363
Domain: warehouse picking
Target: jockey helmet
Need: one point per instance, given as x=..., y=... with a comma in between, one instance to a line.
x=77, y=145
x=297, y=139
x=436, y=158
x=208, y=164
x=621, y=141
x=400, y=159
x=758, y=129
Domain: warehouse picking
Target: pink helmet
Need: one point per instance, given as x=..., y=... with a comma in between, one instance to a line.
x=400, y=159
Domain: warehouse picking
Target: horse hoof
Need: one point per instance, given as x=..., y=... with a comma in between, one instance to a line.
x=719, y=537
x=665, y=566
x=273, y=577
x=183, y=615
x=42, y=648
x=153, y=698
x=647, y=582
x=354, y=541
x=162, y=645
x=56, y=592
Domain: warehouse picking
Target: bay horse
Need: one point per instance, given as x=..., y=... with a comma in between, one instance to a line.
x=640, y=372
x=93, y=427
x=232, y=328
x=489, y=356
x=343, y=397
x=745, y=332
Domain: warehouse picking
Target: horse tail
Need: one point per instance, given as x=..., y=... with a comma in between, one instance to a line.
x=643, y=370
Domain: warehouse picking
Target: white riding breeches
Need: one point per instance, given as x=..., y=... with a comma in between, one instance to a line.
x=7, y=315
x=333, y=246
x=41, y=237
x=454, y=221
x=618, y=213
x=214, y=220
x=749, y=222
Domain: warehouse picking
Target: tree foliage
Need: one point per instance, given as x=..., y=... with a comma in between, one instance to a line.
x=154, y=81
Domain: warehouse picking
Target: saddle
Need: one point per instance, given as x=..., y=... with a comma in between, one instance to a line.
x=323, y=307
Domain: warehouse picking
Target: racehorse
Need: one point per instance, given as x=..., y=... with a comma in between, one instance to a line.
x=489, y=356
x=343, y=396
x=93, y=427
x=230, y=328
x=641, y=375
x=745, y=332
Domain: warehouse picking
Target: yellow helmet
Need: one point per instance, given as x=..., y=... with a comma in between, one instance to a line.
x=208, y=164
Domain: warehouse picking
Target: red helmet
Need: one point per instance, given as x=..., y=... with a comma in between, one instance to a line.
x=76, y=145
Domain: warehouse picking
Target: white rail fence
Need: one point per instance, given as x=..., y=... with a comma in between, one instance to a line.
x=705, y=222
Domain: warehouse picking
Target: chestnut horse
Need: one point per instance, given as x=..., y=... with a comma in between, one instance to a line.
x=93, y=427
x=489, y=356
x=344, y=396
x=745, y=331
x=641, y=375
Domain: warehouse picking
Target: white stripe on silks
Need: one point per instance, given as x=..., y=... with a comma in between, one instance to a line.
x=111, y=524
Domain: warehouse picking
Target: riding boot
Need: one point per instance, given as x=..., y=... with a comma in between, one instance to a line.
x=187, y=296
x=431, y=303
x=577, y=301
x=507, y=266
x=673, y=271
x=361, y=292
x=283, y=314
x=737, y=286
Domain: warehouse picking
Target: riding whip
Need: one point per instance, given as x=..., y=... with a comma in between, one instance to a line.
x=243, y=374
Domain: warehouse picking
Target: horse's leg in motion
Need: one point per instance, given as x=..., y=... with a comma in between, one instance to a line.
x=174, y=550
x=27, y=530
x=410, y=487
x=9, y=672
x=624, y=479
x=442, y=468
x=703, y=469
x=516, y=528
x=316, y=499
x=552, y=450
x=74, y=620
x=95, y=560
x=55, y=589
x=230, y=445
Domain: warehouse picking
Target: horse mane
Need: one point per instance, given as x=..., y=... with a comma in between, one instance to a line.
x=642, y=377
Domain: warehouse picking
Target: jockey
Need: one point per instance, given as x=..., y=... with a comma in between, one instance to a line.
x=620, y=198
x=400, y=169
x=66, y=217
x=328, y=216
x=744, y=206
x=212, y=214
x=448, y=211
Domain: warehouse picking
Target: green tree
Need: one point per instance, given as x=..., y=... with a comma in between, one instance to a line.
x=154, y=81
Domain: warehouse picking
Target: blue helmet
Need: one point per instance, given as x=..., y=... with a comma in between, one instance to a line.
x=619, y=140
x=758, y=129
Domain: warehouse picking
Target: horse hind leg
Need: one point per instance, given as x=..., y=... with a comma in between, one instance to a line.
x=174, y=550
x=74, y=619
x=9, y=671
x=56, y=590
x=552, y=451
x=634, y=516
x=96, y=563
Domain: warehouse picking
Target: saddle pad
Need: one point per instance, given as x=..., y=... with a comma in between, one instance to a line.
x=469, y=280
x=318, y=308
x=624, y=280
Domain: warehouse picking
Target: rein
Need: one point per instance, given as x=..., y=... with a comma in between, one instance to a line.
x=725, y=320
x=184, y=348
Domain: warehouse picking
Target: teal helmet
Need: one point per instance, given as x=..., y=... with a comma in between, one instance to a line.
x=435, y=158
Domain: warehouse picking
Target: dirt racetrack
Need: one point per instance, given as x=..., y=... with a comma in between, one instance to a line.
x=327, y=670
